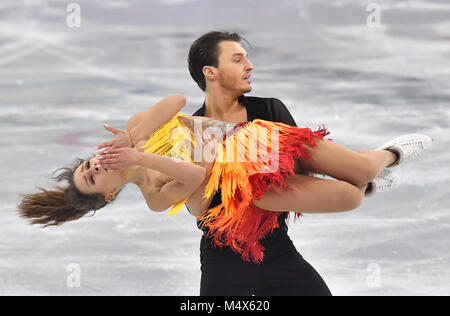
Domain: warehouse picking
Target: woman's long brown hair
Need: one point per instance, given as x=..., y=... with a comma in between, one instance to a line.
x=54, y=207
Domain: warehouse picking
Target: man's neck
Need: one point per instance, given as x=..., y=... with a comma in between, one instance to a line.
x=221, y=107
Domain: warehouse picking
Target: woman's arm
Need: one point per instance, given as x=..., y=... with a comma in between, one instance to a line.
x=170, y=193
x=177, y=169
x=143, y=124
x=187, y=178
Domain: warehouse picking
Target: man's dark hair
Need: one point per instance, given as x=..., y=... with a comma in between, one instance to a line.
x=205, y=52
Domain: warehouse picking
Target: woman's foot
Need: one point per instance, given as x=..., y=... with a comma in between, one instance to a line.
x=407, y=147
x=385, y=181
x=397, y=157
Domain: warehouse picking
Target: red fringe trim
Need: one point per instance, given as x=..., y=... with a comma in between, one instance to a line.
x=239, y=224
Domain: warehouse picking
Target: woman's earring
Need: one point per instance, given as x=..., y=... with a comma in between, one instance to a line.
x=109, y=197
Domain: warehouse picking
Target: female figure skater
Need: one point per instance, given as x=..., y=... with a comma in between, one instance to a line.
x=252, y=197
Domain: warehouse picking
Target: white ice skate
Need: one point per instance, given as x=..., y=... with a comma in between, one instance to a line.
x=408, y=147
x=385, y=181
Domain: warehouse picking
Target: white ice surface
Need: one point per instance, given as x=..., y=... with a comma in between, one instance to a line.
x=367, y=85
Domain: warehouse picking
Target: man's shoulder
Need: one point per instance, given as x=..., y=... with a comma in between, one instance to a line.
x=198, y=112
x=271, y=101
x=272, y=104
x=271, y=109
x=262, y=104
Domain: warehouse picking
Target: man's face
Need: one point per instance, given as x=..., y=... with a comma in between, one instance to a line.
x=233, y=72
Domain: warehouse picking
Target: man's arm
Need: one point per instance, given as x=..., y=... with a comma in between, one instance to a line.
x=282, y=113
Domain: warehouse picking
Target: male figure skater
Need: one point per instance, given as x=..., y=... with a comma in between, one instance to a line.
x=220, y=66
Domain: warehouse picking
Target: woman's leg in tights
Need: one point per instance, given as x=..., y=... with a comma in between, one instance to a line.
x=339, y=162
x=313, y=195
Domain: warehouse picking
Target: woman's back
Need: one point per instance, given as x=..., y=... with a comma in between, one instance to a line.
x=196, y=204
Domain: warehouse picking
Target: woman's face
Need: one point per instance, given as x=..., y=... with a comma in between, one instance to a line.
x=89, y=178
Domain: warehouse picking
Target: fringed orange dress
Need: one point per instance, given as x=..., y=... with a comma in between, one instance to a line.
x=252, y=158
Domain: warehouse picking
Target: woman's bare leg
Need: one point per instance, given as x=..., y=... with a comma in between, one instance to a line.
x=339, y=162
x=312, y=195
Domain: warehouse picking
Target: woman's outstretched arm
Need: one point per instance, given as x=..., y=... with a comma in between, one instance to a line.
x=177, y=169
x=143, y=124
x=182, y=171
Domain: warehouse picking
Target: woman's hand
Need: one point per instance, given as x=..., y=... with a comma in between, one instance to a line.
x=118, y=158
x=121, y=139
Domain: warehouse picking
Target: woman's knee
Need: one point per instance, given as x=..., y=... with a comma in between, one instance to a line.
x=349, y=196
x=367, y=167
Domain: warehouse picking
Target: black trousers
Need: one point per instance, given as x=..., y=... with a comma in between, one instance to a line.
x=283, y=272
